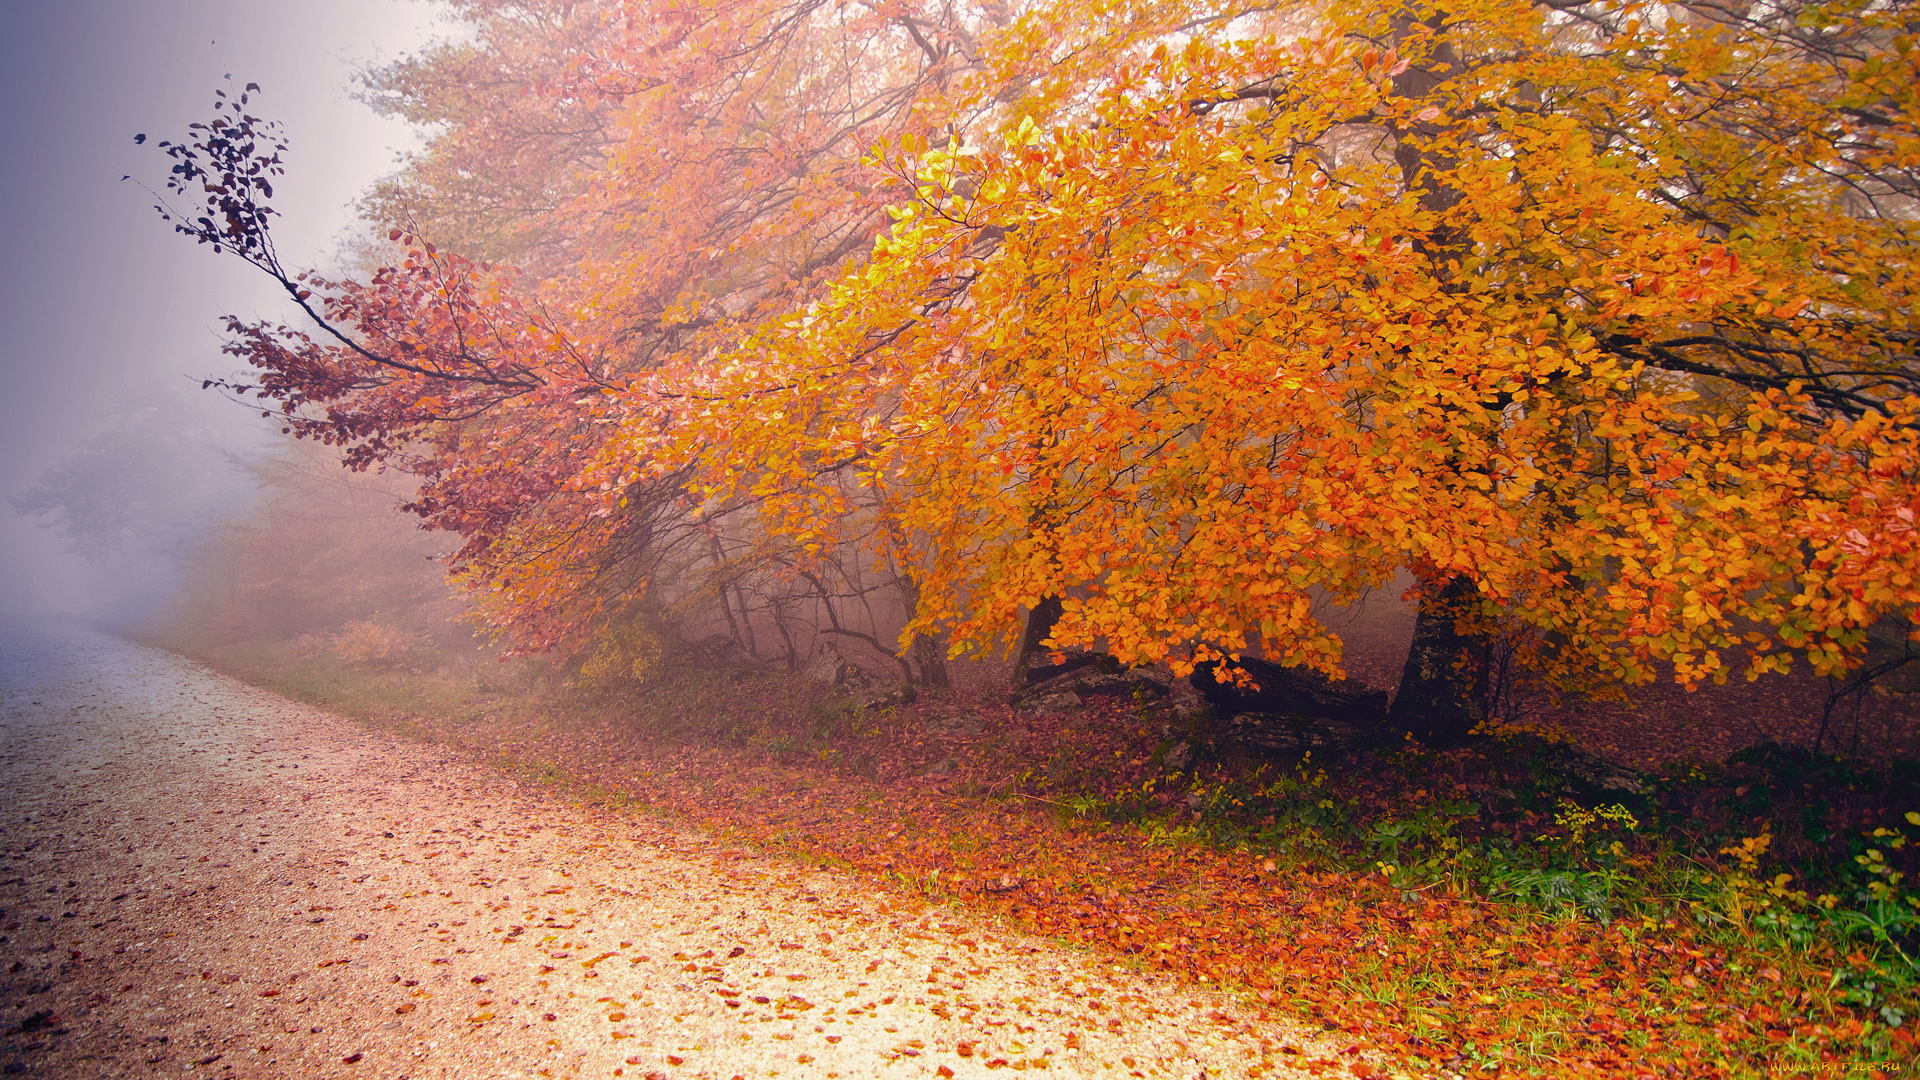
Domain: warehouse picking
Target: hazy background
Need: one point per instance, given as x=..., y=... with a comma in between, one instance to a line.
x=108, y=321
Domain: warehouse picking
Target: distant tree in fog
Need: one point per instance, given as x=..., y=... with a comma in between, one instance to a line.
x=145, y=487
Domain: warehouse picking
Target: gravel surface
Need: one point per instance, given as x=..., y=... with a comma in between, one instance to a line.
x=201, y=878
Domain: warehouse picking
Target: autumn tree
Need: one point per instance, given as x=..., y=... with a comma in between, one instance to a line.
x=1596, y=318
x=619, y=193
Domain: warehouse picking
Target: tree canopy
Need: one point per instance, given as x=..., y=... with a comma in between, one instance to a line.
x=1178, y=316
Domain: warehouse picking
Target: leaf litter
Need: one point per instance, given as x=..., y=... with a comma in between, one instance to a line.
x=389, y=907
x=1448, y=983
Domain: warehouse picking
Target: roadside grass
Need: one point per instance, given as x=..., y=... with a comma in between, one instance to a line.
x=1467, y=911
x=386, y=697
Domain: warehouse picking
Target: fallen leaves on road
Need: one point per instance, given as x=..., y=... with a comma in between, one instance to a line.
x=1444, y=980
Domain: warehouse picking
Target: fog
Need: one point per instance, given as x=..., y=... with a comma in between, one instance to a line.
x=108, y=321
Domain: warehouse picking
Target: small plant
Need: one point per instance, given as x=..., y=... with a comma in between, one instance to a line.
x=1423, y=848
x=626, y=656
x=1588, y=893
x=1084, y=805
x=1159, y=834
x=1884, y=882
x=1887, y=914
x=1749, y=894
x=1588, y=836
x=366, y=644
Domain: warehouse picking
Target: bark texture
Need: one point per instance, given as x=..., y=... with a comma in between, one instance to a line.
x=1442, y=695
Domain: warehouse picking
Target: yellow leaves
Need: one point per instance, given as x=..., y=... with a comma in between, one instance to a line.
x=1192, y=367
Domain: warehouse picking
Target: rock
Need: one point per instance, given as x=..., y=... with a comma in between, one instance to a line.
x=851, y=679
x=965, y=725
x=820, y=667
x=1294, y=709
x=1626, y=784
x=1586, y=775
x=1291, y=733
x=1091, y=681
x=1184, y=698
x=1072, y=662
x=721, y=651
x=1599, y=776
x=1054, y=703
x=1291, y=692
x=1178, y=758
x=1159, y=677
x=1191, y=715
x=901, y=694
x=1124, y=684
x=825, y=664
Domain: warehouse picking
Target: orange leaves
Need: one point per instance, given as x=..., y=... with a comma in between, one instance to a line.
x=1201, y=443
x=1192, y=319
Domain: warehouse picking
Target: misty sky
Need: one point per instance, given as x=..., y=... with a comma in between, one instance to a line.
x=103, y=311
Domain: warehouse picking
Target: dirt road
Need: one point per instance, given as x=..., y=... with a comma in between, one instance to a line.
x=201, y=878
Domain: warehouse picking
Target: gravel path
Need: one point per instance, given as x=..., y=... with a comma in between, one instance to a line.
x=201, y=878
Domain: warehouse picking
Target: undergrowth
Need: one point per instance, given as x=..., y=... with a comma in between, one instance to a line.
x=1479, y=910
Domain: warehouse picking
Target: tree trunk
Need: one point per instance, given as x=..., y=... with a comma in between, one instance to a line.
x=931, y=659
x=928, y=652
x=720, y=587
x=746, y=619
x=1040, y=623
x=1442, y=695
x=1443, y=691
x=780, y=624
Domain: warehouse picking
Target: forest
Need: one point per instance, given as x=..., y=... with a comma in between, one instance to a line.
x=1430, y=485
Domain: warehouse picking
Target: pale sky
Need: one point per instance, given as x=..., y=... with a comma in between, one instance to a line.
x=102, y=308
